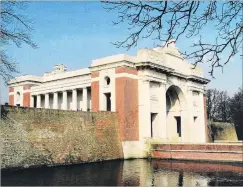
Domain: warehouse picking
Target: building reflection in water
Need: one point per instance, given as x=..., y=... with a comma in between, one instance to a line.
x=196, y=174
x=139, y=172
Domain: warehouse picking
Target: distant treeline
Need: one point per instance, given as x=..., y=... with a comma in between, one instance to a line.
x=223, y=108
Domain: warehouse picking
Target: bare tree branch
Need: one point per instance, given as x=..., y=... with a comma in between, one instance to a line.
x=15, y=29
x=162, y=21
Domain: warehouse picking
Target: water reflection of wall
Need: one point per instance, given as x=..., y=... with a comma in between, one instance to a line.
x=167, y=173
x=138, y=172
x=174, y=178
x=165, y=178
x=94, y=174
x=169, y=177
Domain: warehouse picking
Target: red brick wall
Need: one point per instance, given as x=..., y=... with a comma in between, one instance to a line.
x=213, y=152
x=26, y=96
x=95, y=92
x=11, y=89
x=95, y=74
x=96, y=138
x=27, y=87
x=11, y=97
x=95, y=96
x=127, y=108
x=26, y=100
x=187, y=155
x=126, y=70
x=126, y=102
x=11, y=100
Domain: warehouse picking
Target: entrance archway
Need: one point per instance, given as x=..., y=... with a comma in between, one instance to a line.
x=175, y=104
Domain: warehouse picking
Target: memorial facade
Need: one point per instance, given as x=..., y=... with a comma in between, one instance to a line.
x=156, y=94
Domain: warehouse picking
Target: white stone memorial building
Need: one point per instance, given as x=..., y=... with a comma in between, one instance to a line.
x=157, y=94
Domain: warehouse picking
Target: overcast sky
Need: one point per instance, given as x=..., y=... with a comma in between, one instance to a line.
x=75, y=33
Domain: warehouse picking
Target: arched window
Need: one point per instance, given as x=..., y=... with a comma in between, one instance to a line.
x=107, y=81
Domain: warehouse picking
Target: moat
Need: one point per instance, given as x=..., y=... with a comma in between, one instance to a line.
x=139, y=172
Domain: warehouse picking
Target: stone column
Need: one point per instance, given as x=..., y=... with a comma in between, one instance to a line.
x=31, y=101
x=74, y=100
x=85, y=99
x=38, y=101
x=162, y=112
x=64, y=100
x=55, y=100
x=47, y=100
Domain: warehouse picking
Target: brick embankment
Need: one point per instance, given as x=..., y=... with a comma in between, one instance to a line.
x=36, y=137
x=199, y=152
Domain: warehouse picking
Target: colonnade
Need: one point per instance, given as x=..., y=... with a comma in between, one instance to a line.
x=61, y=102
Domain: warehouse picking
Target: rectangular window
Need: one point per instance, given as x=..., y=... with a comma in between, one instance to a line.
x=195, y=120
x=35, y=101
x=178, y=122
x=108, y=101
x=153, y=123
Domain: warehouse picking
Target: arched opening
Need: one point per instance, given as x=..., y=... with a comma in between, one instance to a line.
x=175, y=103
x=107, y=81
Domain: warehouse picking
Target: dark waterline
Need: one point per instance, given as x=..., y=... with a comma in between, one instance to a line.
x=139, y=172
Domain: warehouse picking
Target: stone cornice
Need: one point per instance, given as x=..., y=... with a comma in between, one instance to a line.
x=25, y=78
x=24, y=82
x=198, y=79
x=155, y=66
x=170, y=71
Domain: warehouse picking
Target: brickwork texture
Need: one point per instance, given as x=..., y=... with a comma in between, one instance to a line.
x=37, y=137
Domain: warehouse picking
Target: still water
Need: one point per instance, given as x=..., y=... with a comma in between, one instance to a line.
x=139, y=172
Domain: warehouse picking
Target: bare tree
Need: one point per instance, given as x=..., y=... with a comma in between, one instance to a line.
x=224, y=113
x=213, y=102
x=165, y=20
x=15, y=28
x=218, y=105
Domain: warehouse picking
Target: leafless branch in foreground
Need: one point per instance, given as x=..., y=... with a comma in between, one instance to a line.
x=15, y=28
x=165, y=20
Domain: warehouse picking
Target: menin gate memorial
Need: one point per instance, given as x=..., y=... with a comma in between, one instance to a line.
x=156, y=94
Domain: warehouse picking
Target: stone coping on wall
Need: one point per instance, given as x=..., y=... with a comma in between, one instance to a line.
x=199, y=152
x=199, y=147
x=198, y=156
x=228, y=142
x=186, y=143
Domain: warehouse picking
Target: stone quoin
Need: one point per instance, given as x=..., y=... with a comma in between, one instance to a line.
x=156, y=94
